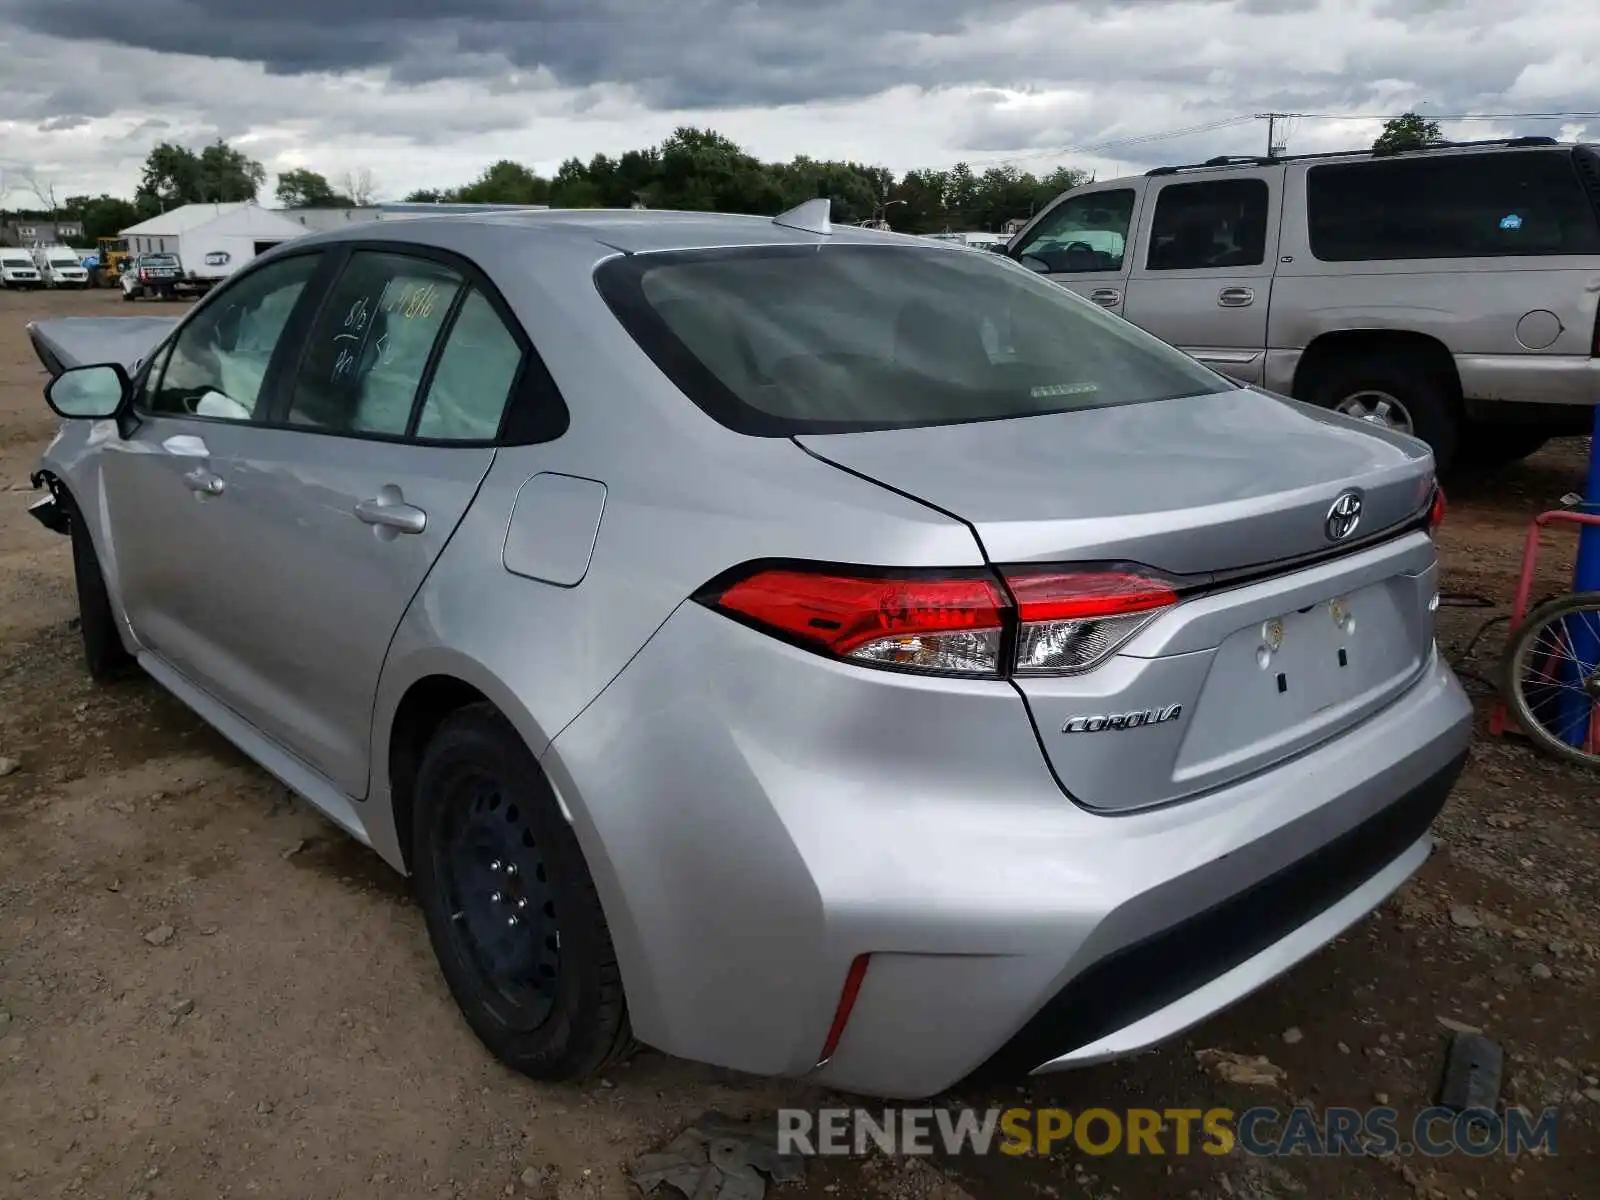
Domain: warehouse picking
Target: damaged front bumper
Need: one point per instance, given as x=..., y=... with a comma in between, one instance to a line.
x=49, y=510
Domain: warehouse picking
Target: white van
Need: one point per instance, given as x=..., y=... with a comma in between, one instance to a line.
x=18, y=270
x=59, y=267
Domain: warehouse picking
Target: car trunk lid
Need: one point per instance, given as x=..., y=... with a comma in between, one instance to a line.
x=1285, y=636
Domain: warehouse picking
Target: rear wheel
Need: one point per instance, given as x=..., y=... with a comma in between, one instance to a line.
x=103, y=651
x=1396, y=391
x=510, y=906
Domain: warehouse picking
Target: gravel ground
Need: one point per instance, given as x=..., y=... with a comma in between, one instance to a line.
x=206, y=991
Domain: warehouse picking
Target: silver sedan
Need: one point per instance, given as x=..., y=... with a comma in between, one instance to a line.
x=803, y=649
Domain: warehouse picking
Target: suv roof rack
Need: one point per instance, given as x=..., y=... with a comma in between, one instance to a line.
x=1256, y=160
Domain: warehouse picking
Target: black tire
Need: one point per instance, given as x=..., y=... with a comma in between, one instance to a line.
x=103, y=651
x=1515, y=666
x=491, y=849
x=129, y=296
x=1487, y=446
x=1428, y=397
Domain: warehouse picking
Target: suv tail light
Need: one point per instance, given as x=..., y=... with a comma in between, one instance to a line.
x=1436, y=510
x=1029, y=621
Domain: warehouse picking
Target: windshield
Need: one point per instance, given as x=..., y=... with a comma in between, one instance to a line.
x=159, y=260
x=782, y=340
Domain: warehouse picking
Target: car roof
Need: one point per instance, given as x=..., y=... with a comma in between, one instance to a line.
x=630, y=231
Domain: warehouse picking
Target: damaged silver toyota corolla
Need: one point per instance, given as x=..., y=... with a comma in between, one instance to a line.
x=804, y=649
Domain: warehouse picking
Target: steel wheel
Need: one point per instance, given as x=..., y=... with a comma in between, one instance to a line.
x=1551, y=678
x=1378, y=407
x=502, y=907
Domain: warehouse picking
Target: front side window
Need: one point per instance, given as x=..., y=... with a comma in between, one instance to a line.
x=777, y=341
x=368, y=350
x=1082, y=233
x=219, y=359
x=1525, y=202
x=1214, y=223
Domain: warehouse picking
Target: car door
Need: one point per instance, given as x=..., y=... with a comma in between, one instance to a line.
x=1203, y=277
x=166, y=505
x=341, y=504
x=1081, y=242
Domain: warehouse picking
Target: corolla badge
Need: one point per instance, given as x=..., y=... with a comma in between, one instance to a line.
x=1343, y=516
x=1106, y=723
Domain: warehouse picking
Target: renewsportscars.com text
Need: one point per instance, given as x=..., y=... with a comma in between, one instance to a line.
x=1261, y=1132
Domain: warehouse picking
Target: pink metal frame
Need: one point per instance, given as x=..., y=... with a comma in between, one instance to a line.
x=1499, y=719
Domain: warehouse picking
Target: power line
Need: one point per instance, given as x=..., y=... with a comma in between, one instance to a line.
x=1525, y=116
x=1272, y=120
x=1110, y=144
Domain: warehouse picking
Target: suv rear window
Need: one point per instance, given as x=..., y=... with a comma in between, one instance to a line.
x=783, y=340
x=1524, y=202
x=160, y=260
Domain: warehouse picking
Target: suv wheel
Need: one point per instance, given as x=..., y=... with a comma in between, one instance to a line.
x=103, y=651
x=510, y=906
x=1395, y=392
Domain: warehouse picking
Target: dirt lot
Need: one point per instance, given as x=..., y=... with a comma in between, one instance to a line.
x=206, y=991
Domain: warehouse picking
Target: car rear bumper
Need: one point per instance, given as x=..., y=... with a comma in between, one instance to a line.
x=757, y=817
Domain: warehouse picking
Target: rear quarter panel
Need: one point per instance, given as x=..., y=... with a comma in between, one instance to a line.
x=685, y=499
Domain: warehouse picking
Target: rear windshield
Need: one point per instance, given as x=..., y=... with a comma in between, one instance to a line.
x=160, y=260
x=783, y=340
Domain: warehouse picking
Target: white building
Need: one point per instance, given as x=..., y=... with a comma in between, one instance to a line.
x=212, y=241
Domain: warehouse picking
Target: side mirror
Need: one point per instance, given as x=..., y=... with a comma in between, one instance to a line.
x=1035, y=264
x=88, y=393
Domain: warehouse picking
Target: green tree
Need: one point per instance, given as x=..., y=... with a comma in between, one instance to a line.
x=102, y=215
x=175, y=175
x=701, y=169
x=302, y=188
x=1409, y=131
x=504, y=182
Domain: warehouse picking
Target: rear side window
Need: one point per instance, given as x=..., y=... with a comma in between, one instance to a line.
x=1524, y=202
x=474, y=378
x=1215, y=223
x=367, y=353
x=782, y=340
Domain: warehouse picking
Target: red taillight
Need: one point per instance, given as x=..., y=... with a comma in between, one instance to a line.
x=1070, y=621
x=1065, y=621
x=1436, y=509
x=930, y=624
x=847, y=1001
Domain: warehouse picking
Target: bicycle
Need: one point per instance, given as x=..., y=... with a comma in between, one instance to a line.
x=1550, y=671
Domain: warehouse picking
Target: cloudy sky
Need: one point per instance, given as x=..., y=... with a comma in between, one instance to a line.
x=423, y=93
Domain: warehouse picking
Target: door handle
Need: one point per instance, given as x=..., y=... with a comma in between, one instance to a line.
x=1236, y=297
x=392, y=514
x=204, y=482
x=1106, y=297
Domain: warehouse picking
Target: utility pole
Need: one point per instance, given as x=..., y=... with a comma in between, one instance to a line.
x=1272, y=119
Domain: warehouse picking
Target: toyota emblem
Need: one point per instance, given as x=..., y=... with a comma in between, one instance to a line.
x=1343, y=516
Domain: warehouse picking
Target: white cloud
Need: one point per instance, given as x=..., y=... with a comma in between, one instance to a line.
x=921, y=87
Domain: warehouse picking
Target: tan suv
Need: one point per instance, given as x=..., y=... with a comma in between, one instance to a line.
x=1450, y=292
